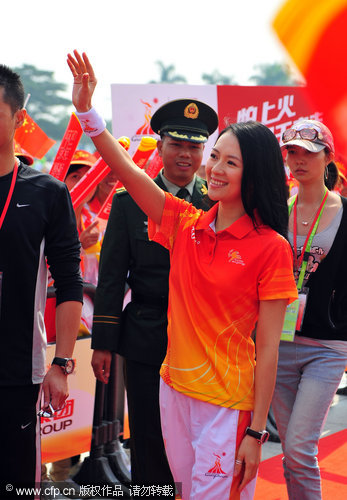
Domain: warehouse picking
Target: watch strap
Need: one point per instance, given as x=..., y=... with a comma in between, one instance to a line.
x=260, y=436
x=63, y=362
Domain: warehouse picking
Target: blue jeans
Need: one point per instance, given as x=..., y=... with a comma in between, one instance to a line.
x=307, y=380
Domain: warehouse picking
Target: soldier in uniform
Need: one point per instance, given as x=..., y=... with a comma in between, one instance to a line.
x=127, y=256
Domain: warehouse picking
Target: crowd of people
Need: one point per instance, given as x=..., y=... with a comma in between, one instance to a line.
x=238, y=296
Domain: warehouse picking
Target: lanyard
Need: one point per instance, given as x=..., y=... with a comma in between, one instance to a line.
x=9, y=196
x=301, y=263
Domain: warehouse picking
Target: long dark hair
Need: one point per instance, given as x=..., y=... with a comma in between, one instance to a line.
x=331, y=175
x=263, y=185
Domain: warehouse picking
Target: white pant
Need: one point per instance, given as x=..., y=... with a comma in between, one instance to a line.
x=201, y=442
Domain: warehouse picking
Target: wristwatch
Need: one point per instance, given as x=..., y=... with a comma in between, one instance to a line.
x=261, y=436
x=66, y=364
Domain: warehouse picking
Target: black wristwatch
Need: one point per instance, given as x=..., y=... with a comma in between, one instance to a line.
x=261, y=436
x=66, y=364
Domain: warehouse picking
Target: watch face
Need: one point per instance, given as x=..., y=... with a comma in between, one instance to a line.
x=265, y=437
x=261, y=436
x=70, y=365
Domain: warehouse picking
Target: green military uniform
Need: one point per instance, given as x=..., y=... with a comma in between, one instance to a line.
x=141, y=333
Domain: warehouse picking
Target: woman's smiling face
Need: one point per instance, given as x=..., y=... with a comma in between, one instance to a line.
x=224, y=170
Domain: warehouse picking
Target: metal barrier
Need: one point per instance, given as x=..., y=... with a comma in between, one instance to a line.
x=106, y=464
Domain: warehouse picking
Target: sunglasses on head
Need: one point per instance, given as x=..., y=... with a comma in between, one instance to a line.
x=307, y=134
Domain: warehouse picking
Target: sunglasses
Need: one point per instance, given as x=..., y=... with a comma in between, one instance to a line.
x=307, y=134
x=47, y=412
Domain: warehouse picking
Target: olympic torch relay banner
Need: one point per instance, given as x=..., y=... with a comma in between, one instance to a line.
x=275, y=106
x=69, y=432
x=315, y=37
x=67, y=148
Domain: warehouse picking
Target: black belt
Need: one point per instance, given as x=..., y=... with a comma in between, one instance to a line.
x=148, y=300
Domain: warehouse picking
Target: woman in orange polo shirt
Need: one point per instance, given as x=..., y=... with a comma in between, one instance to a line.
x=231, y=270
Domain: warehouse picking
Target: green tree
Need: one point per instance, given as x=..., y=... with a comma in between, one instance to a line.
x=216, y=78
x=46, y=105
x=273, y=74
x=167, y=74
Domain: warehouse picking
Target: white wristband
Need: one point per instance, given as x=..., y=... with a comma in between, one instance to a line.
x=91, y=122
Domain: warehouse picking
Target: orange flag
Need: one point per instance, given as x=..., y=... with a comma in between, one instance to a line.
x=33, y=139
x=144, y=151
x=315, y=36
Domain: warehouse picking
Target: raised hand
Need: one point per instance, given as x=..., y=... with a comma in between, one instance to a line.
x=84, y=81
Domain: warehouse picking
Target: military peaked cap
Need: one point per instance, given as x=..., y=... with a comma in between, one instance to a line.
x=186, y=120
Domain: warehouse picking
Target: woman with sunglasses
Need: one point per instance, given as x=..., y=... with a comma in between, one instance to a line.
x=313, y=354
x=230, y=269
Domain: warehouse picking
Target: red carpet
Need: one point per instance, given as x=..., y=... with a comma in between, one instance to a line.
x=332, y=458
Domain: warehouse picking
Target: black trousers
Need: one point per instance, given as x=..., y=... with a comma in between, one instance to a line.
x=19, y=438
x=149, y=465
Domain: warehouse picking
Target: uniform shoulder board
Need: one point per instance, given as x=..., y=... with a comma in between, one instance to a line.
x=201, y=185
x=121, y=191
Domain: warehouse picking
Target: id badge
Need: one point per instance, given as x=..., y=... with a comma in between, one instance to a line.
x=290, y=319
x=294, y=316
x=303, y=294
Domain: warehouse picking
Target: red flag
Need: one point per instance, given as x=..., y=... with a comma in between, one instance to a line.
x=105, y=210
x=152, y=170
x=92, y=178
x=67, y=148
x=22, y=154
x=155, y=166
x=33, y=139
x=88, y=182
x=315, y=36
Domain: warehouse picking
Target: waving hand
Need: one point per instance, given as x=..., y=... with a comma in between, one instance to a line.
x=144, y=191
x=84, y=81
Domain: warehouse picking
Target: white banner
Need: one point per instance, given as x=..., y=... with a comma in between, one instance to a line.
x=134, y=105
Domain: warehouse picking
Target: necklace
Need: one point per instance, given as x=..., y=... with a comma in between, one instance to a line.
x=307, y=222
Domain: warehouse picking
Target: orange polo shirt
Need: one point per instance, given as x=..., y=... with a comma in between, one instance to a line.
x=216, y=283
